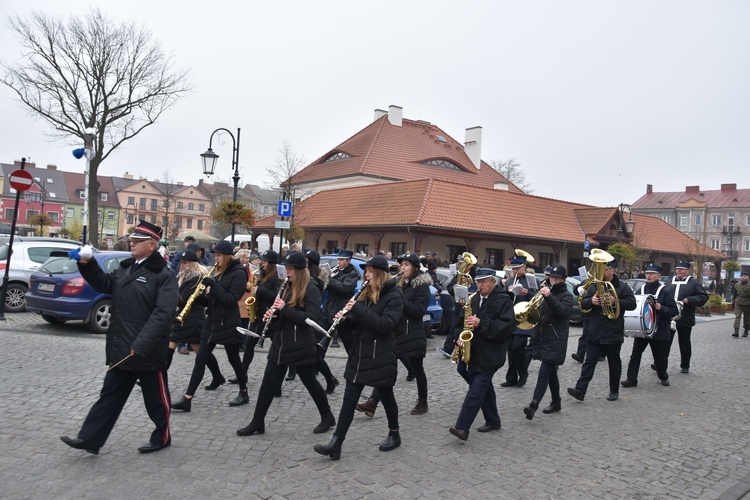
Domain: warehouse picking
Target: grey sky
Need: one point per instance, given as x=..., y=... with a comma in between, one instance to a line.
x=595, y=99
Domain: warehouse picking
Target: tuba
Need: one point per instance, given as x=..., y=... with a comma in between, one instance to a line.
x=607, y=294
x=198, y=290
x=463, y=351
x=251, y=302
x=467, y=260
x=521, y=253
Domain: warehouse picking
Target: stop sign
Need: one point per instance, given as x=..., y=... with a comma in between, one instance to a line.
x=20, y=180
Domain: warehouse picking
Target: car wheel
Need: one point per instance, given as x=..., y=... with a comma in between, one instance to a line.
x=53, y=320
x=100, y=317
x=15, y=299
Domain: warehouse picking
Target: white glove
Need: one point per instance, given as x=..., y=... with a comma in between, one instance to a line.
x=581, y=291
x=86, y=252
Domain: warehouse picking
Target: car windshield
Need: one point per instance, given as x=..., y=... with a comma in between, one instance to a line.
x=4, y=252
x=59, y=265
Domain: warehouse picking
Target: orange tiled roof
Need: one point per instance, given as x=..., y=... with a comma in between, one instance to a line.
x=652, y=233
x=727, y=197
x=389, y=152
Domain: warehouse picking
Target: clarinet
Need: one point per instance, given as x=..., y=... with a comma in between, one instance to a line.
x=273, y=311
x=336, y=322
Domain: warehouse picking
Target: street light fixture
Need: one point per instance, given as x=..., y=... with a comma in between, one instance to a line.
x=209, y=159
x=626, y=226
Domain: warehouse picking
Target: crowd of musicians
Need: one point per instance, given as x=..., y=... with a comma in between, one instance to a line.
x=516, y=318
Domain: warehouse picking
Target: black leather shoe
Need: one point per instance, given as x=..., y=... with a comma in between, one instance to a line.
x=576, y=393
x=577, y=357
x=628, y=383
x=521, y=382
x=332, y=449
x=530, y=410
x=252, y=428
x=392, y=442
x=290, y=376
x=241, y=399
x=215, y=383
x=553, y=407
x=490, y=427
x=151, y=447
x=183, y=404
x=325, y=423
x=653, y=366
x=665, y=383
x=332, y=384
x=80, y=444
x=233, y=380
x=411, y=377
x=508, y=384
x=462, y=435
x=685, y=370
x=613, y=396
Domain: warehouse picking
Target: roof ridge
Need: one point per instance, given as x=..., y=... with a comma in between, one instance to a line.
x=425, y=199
x=372, y=144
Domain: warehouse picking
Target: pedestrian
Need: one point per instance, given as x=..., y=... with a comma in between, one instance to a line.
x=223, y=290
x=293, y=344
x=549, y=342
x=741, y=301
x=372, y=359
x=175, y=262
x=319, y=278
x=341, y=286
x=688, y=294
x=144, y=298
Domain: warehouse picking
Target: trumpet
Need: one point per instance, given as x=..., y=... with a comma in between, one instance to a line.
x=334, y=271
x=251, y=302
x=198, y=290
x=328, y=335
x=272, y=311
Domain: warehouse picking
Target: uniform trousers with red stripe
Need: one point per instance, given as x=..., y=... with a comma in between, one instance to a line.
x=118, y=384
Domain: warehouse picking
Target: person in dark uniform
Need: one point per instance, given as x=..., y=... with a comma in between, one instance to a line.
x=666, y=309
x=189, y=330
x=319, y=278
x=550, y=340
x=459, y=279
x=144, y=298
x=341, y=286
x=741, y=301
x=606, y=336
x=492, y=323
x=372, y=359
x=293, y=344
x=411, y=342
x=265, y=290
x=222, y=292
x=175, y=263
x=689, y=294
x=523, y=287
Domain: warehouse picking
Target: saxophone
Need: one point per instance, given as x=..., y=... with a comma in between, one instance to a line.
x=198, y=290
x=251, y=302
x=463, y=351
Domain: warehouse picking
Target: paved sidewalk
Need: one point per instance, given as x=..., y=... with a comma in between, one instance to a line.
x=684, y=441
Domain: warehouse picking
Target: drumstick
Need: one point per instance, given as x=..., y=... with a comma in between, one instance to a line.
x=120, y=362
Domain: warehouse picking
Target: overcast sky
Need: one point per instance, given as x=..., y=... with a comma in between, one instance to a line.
x=595, y=99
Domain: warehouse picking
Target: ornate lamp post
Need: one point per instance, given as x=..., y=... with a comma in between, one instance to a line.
x=209, y=159
x=626, y=226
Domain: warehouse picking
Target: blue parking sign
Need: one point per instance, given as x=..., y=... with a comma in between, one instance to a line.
x=285, y=208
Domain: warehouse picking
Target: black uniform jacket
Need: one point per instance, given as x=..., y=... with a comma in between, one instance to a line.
x=341, y=288
x=223, y=313
x=550, y=340
x=492, y=337
x=690, y=289
x=293, y=340
x=524, y=281
x=603, y=330
x=143, y=305
x=410, y=337
x=264, y=297
x=372, y=359
x=668, y=308
x=189, y=330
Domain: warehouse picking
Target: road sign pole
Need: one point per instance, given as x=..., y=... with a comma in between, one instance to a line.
x=4, y=288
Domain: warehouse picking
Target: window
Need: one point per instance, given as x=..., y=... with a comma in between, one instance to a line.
x=110, y=215
x=546, y=259
x=454, y=251
x=179, y=205
x=153, y=219
x=362, y=248
x=131, y=200
x=142, y=203
x=698, y=219
x=82, y=194
x=200, y=225
x=191, y=206
x=730, y=220
x=104, y=196
x=31, y=213
x=747, y=220
x=50, y=181
x=179, y=222
x=130, y=218
x=683, y=220
x=495, y=256
x=336, y=157
x=716, y=220
x=9, y=213
x=51, y=195
x=667, y=218
x=54, y=216
x=332, y=245
x=746, y=245
x=265, y=209
x=398, y=248
x=154, y=204
x=715, y=245
x=443, y=164
x=70, y=213
x=189, y=223
x=201, y=207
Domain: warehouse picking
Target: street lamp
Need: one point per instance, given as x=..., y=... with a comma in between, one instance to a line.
x=626, y=226
x=32, y=197
x=128, y=212
x=209, y=159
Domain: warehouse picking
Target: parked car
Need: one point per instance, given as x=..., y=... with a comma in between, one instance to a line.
x=636, y=283
x=29, y=253
x=59, y=293
x=434, y=313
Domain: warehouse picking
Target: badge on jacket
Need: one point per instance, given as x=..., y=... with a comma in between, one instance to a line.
x=141, y=279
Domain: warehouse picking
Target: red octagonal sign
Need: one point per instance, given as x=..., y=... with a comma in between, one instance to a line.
x=21, y=180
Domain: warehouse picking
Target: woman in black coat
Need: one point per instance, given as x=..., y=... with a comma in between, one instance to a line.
x=411, y=342
x=372, y=359
x=293, y=344
x=222, y=319
x=319, y=278
x=550, y=340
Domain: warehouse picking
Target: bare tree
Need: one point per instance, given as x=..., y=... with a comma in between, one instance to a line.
x=169, y=205
x=93, y=72
x=512, y=171
x=287, y=164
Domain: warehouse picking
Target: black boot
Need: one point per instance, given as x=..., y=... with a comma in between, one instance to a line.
x=553, y=407
x=332, y=449
x=254, y=427
x=241, y=399
x=744, y=334
x=331, y=385
x=326, y=422
x=736, y=332
x=531, y=409
x=215, y=383
x=182, y=404
x=392, y=442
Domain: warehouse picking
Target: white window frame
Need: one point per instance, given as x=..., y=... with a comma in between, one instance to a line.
x=698, y=219
x=716, y=220
x=683, y=220
x=715, y=245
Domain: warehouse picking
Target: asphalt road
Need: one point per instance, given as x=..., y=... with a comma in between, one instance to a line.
x=688, y=440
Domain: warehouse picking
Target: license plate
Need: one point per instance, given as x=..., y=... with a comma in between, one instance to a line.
x=46, y=287
x=426, y=317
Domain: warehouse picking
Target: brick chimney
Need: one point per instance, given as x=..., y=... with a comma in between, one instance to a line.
x=127, y=176
x=51, y=167
x=692, y=189
x=395, y=115
x=473, y=145
x=649, y=188
x=729, y=187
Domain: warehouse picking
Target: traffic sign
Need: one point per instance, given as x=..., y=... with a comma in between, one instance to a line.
x=20, y=180
x=285, y=208
x=282, y=224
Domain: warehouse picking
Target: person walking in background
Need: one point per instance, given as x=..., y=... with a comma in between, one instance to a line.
x=741, y=301
x=689, y=294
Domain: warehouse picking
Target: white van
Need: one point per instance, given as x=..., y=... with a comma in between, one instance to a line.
x=262, y=241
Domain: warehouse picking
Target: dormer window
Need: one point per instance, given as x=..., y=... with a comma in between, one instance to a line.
x=340, y=155
x=443, y=163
